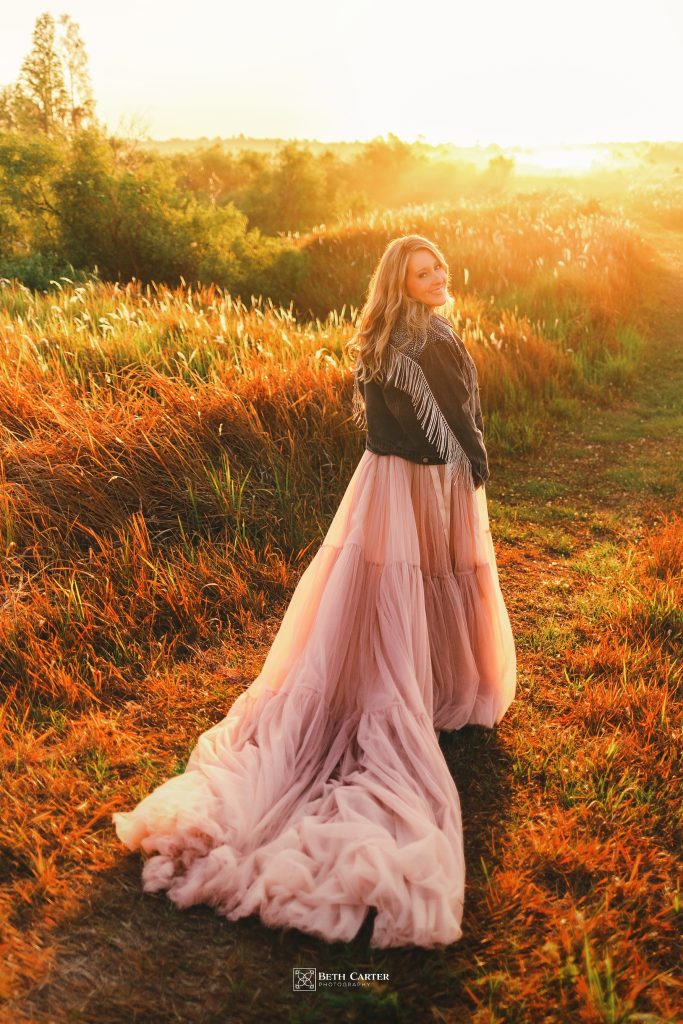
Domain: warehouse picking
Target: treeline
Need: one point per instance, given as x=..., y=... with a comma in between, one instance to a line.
x=95, y=202
x=75, y=199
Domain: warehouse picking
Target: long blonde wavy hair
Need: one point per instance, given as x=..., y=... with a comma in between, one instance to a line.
x=387, y=300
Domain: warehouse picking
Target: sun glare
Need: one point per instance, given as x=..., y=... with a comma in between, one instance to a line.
x=565, y=158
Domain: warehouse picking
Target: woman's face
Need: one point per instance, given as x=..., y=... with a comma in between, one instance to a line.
x=426, y=278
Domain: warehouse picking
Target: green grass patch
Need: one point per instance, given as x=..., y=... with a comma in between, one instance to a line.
x=598, y=561
x=542, y=488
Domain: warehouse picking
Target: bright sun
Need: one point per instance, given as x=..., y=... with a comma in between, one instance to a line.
x=566, y=158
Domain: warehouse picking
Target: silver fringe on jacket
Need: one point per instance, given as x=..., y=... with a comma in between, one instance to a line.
x=405, y=373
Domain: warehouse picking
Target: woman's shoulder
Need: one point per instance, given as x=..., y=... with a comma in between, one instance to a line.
x=439, y=317
x=441, y=341
x=444, y=355
x=441, y=330
x=406, y=343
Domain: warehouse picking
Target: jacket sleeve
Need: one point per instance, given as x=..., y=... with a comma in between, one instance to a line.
x=477, y=413
x=443, y=366
x=358, y=411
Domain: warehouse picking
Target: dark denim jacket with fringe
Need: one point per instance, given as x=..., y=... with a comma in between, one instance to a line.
x=426, y=407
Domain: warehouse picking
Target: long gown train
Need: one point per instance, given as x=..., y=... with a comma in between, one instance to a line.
x=323, y=791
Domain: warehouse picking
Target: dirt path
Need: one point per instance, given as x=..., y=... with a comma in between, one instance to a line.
x=599, y=483
x=565, y=845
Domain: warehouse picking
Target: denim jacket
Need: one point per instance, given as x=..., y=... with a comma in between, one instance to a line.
x=426, y=407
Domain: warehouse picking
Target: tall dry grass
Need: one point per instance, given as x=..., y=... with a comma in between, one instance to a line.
x=169, y=456
x=573, y=263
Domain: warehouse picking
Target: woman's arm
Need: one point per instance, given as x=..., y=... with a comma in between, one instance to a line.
x=445, y=370
x=358, y=412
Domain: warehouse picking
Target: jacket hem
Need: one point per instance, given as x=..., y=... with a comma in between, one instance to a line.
x=434, y=460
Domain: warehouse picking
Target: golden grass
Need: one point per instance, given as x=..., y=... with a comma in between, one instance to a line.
x=170, y=457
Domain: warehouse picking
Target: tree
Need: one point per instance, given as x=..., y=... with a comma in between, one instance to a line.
x=291, y=196
x=81, y=107
x=391, y=170
x=9, y=107
x=27, y=168
x=53, y=95
x=126, y=214
x=498, y=171
x=41, y=80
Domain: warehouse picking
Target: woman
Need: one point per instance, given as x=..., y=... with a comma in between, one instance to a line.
x=323, y=792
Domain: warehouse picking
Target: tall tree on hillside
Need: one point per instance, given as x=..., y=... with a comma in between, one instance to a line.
x=52, y=95
x=81, y=108
x=41, y=80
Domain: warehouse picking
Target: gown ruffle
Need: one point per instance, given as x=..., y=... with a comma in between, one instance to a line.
x=323, y=792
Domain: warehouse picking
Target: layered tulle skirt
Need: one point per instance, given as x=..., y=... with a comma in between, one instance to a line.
x=323, y=792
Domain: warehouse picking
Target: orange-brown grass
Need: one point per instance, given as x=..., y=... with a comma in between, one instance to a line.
x=624, y=701
x=168, y=460
x=578, y=896
x=169, y=457
x=574, y=265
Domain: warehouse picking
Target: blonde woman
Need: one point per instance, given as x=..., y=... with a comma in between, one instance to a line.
x=323, y=793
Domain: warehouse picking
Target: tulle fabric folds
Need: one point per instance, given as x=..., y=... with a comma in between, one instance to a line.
x=323, y=791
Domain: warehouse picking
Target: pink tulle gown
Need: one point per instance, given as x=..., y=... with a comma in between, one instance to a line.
x=324, y=792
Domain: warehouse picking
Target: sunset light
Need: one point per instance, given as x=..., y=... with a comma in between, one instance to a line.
x=565, y=158
x=529, y=73
x=341, y=511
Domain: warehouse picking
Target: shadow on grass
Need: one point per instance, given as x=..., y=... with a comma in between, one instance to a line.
x=127, y=956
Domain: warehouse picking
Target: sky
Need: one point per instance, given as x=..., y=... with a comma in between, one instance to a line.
x=528, y=72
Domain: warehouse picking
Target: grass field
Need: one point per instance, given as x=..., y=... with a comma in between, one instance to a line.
x=169, y=462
